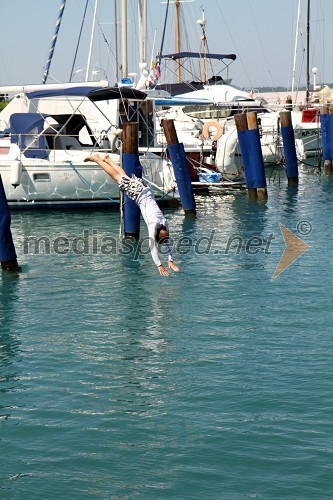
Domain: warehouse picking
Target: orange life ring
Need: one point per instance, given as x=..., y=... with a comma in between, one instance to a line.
x=206, y=127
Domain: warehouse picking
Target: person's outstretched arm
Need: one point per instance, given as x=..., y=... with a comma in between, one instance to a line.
x=154, y=253
x=162, y=270
x=172, y=265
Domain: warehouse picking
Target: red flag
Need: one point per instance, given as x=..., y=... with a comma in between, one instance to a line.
x=157, y=70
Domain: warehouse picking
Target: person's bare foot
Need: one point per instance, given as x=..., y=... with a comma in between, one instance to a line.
x=94, y=158
x=105, y=157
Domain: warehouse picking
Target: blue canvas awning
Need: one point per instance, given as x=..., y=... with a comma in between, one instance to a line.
x=93, y=93
x=174, y=101
x=70, y=92
x=25, y=130
x=198, y=55
x=107, y=93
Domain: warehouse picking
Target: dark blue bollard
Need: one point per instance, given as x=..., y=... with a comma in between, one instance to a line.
x=246, y=159
x=326, y=125
x=324, y=137
x=179, y=162
x=180, y=168
x=8, y=256
x=289, y=148
x=131, y=211
x=253, y=162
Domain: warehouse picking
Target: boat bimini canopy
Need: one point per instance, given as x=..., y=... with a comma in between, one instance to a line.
x=198, y=55
x=93, y=93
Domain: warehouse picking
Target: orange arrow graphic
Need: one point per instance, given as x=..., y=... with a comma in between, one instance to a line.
x=295, y=247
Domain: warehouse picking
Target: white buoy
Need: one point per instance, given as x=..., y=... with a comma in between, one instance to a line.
x=15, y=172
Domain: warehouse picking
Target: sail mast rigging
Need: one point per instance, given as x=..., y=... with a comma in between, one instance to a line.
x=53, y=42
x=179, y=73
x=307, y=94
x=91, y=41
x=295, y=51
x=124, y=67
x=202, y=23
x=116, y=38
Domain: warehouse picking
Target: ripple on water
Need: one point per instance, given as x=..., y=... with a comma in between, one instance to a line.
x=215, y=381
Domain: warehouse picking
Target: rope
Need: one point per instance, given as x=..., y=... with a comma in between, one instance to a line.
x=163, y=35
x=78, y=42
x=151, y=183
x=85, y=180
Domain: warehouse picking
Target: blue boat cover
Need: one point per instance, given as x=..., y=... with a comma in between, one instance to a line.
x=25, y=130
x=198, y=55
x=70, y=92
x=172, y=101
x=93, y=93
x=107, y=93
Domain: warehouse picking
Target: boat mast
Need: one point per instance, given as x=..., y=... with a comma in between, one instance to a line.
x=202, y=23
x=179, y=73
x=124, y=67
x=295, y=52
x=142, y=8
x=116, y=38
x=91, y=42
x=53, y=42
x=307, y=94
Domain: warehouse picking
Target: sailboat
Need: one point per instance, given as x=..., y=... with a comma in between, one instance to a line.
x=194, y=104
x=214, y=105
x=47, y=130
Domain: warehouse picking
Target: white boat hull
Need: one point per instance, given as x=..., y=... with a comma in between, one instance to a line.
x=58, y=183
x=63, y=185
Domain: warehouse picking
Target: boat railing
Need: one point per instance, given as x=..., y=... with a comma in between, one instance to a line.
x=41, y=145
x=47, y=146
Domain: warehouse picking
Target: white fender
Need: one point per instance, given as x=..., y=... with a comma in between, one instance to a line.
x=105, y=143
x=227, y=160
x=15, y=172
x=115, y=136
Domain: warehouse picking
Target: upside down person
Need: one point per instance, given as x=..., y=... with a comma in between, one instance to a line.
x=135, y=189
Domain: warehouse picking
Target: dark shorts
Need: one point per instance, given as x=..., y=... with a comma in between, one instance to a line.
x=132, y=186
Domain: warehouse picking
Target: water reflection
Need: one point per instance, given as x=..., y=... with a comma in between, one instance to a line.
x=141, y=328
x=189, y=224
x=9, y=342
x=250, y=239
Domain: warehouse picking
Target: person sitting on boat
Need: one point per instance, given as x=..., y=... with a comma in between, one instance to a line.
x=135, y=189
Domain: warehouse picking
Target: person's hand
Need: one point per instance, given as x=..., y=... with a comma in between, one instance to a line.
x=173, y=266
x=162, y=270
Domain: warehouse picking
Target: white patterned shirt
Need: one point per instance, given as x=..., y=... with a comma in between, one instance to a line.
x=153, y=217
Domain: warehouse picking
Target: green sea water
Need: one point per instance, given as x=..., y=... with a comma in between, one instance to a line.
x=213, y=383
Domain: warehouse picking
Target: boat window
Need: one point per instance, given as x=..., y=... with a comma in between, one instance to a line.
x=68, y=132
x=207, y=111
